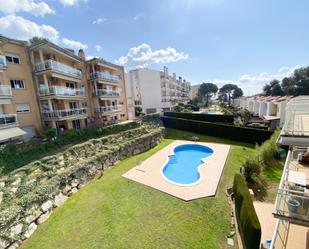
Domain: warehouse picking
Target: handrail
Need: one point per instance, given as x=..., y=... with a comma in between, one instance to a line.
x=57, y=66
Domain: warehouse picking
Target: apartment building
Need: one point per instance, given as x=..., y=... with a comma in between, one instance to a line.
x=107, y=86
x=292, y=202
x=61, y=83
x=19, y=111
x=155, y=91
x=45, y=85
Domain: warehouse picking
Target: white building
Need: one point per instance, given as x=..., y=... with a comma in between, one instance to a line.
x=155, y=91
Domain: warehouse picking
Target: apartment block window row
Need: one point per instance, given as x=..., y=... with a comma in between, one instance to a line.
x=14, y=59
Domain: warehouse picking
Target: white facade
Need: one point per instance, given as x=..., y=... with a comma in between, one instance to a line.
x=155, y=91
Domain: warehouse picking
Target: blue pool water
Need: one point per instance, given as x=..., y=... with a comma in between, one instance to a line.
x=182, y=168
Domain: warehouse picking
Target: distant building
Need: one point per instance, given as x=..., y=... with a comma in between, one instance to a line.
x=155, y=91
x=194, y=91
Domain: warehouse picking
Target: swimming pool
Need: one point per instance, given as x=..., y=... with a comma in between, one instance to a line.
x=183, y=167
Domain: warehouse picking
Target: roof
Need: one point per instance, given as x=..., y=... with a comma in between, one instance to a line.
x=101, y=60
x=53, y=45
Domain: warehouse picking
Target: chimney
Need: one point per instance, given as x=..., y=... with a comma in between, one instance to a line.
x=165, y=70
x=81, y=54
x=180, y=79
x=174, y=76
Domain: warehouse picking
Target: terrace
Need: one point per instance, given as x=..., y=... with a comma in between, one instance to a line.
x=61, y=91
x=103, y=93
x=64, y=114
x=57, y=67
x=5, y=91
x=8, y=120
x=104, y=76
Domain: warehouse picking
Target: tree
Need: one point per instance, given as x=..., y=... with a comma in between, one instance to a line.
x=288, y=85
x=37, y=40
x=237, y=93
x=206, y=90
x=228, y=90
x=273, y=88
x=301, y=77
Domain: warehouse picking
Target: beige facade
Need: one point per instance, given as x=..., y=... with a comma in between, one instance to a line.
x=107, y=86
x=18, y=102
x=44, y=85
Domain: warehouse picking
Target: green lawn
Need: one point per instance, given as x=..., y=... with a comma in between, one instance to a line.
x=113, y=212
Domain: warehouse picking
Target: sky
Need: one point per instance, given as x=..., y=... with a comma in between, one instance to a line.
x=244, y=42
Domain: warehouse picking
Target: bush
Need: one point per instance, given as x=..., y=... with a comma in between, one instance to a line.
x=252, y=169
x=13, y=157
x=243, y=134
x=202, y=117
x=248, y=223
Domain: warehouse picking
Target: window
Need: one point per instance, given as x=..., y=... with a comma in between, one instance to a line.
x=76, y=124
x=12, y=59
x=17, y=84
x=20, y=108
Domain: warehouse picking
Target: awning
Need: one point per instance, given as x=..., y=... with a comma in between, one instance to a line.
x=269, y=118
x=8, y=133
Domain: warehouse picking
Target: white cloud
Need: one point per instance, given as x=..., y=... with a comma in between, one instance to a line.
x=74, y=44
x=70, y=3
x=144, y=54
x=20, y=28
x=29, y=6
x=253, y=83
x=98, y=48
x=99, y=20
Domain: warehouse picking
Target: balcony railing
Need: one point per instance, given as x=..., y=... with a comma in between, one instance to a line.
x=105, y=76
x=292, y=202
x=107, y=93
x=109, y=108
x=5, y=91
x=7, y=120
x=58, y=67
x=64, y=114
x=61, y=91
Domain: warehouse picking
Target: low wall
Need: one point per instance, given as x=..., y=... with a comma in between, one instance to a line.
x=29, y=194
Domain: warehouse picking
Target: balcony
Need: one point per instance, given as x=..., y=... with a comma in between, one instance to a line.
x=61, y=92
x=64, y=114
x=8, y=120
x=109, y=108
x=292, y=202
x=3, y=65
x=105, y=76
x=58, y=67
x=103, y=93
x=5, y=92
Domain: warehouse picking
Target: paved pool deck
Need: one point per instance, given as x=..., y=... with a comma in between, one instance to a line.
x=149, y=172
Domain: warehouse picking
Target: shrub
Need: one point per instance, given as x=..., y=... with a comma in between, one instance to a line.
x=252, y=169
x=202, y=117
x=243, y=134
x=248, y=223
x=13, y=157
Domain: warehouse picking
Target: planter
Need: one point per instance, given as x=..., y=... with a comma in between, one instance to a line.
x=293, y=205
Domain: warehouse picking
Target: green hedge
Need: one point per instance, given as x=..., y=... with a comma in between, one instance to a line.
x=13, y=156
x=236, y=133
x=247, y=220
x=202, y=117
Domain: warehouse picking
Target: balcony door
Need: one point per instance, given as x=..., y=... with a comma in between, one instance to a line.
x=76, y=124
x=73, y=105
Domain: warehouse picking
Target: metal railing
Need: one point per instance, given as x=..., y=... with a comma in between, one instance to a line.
x=107, y=93
x=58, y=67
x=105, y=76
x=5, y=91
x=108, y=108
x=292, y=202
x=7, y=120
x=61, y=91
x=63, y=114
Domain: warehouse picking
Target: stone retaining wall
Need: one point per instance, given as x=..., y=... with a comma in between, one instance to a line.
x=29, y=194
